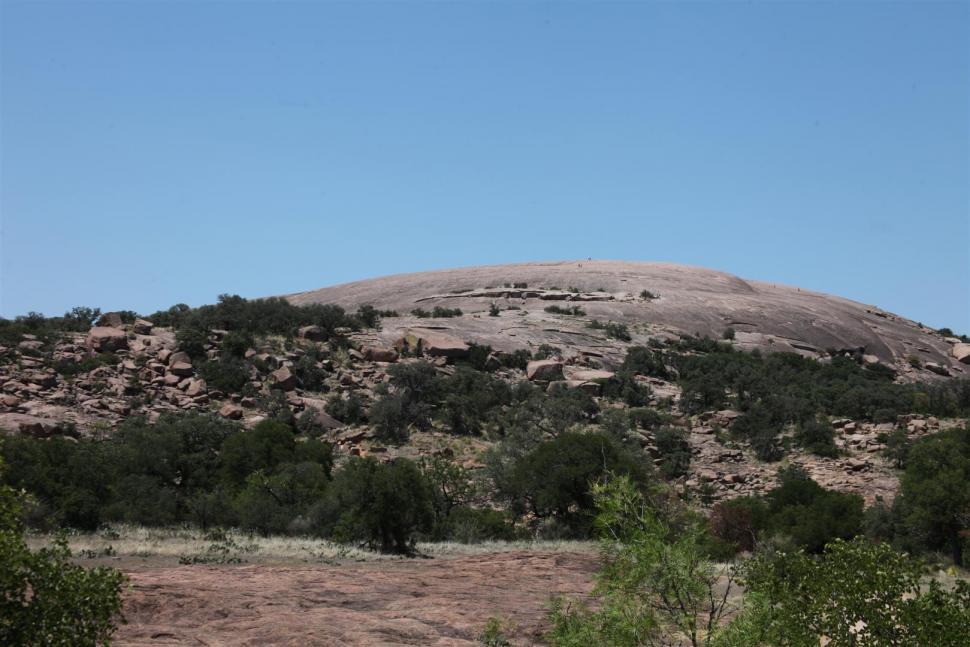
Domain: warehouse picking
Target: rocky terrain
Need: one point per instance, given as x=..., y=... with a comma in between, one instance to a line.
x=86, y=383
x=655, y=300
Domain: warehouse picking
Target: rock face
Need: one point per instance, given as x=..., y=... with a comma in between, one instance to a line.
x=961, y=352
x=437, y=602
x=433, y=344
x=102, y=339
x=544, y=370
x=653, y=299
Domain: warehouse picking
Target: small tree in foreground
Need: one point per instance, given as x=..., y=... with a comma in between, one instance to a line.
x=656, y=588
x=855, y=593
x=44, y=598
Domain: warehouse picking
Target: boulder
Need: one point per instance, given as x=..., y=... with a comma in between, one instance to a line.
x=110, y=320
x=231, y=411
x=933, y=367
x=195, y=388
x=283, y=379
x=592, y=375
x=377, y=354
x=142, y=327
x=33, y=425
x=432, y=343
x=182, y=369
x=544, y=370
x=324, y=420
x=9, y=401
x=104, y=339
x=961, y=352
x=178, y=357
x=312, y=333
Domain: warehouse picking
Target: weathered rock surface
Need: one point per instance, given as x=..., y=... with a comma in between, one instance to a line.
x=442, y=602
x=689, y=300
x=103, y=339
x=544, y=370
x=432, y=343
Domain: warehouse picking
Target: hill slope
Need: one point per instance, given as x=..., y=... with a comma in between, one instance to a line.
x=690, y=300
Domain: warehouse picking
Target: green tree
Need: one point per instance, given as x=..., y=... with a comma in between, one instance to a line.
x=45, y=599
x=855, y=593
x=656, y=586
x=935, y=491
x=554, y=481
x=380, y=505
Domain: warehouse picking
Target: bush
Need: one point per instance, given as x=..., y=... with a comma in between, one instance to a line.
x=855, y=593
x=809, y=515
x=757, y=428
x=228, y=374
x=817, y=436
x=554, y=480
x=45, y=599
x=644, y=361
x=674, y=450
x=192, y=341
x=236, y=343
x=258, y=316
x=349, y=410
x=612, y=329
x=381, y=505
x=738, y=522
x=935, y=492
x=624, y=386
x=655, y=587
x=574, y=311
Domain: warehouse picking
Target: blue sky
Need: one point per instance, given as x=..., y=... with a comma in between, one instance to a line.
x=161, y=152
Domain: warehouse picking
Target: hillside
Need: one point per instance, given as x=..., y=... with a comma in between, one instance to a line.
x=681, y=300
x=248, y=367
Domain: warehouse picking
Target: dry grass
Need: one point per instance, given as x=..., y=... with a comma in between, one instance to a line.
x=125, y=541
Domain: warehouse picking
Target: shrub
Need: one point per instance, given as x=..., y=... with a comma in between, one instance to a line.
x=674, y=450
x=236, y=343
x=44, y=597
x=545, y=351
x=349, y=410
x=612, y=329
x=438, y=312
x=575, y=311
x=625, y=387
x=758, y=429
x=728, y=334
x=655, y=586
x=935, y=491
x=644, y=361
x=817, y=436
x=192, y=341
x=228, y=374
x=493, y=310
x=554, y=480
x=380, y=505
x=738, y=522
x=259, y=316
x=854, y=593
x=808, y=514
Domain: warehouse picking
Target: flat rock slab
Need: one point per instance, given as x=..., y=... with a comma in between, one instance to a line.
x=440, y=602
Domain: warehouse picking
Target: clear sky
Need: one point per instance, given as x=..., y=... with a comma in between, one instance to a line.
x=161, y=152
